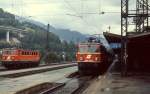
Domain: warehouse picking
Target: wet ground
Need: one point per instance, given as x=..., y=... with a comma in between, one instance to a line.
x=74, y=85
x=11, y=85
x=113, y=83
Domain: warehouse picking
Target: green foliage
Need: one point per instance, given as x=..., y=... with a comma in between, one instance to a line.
x=35, y=38
x=53, y=57
x=1, y=10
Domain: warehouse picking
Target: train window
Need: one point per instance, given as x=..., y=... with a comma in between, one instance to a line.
x=22, y=53
x=10, y=52
x=97, y=49
x=103, y=49
x=25, y=53
x=89, y=48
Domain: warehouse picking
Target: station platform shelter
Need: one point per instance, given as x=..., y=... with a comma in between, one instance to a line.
x=114, y=41
x=138, y=50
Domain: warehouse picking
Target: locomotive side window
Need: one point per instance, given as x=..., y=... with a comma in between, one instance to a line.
x=103, y=49
x=30, y=53
x=27, y=53
x=22, y=53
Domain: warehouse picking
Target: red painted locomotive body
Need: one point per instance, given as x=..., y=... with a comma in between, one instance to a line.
x=93, y=58
x=20, y=58
x=90, y=53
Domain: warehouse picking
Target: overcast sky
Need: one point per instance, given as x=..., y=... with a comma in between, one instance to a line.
x=69, y=14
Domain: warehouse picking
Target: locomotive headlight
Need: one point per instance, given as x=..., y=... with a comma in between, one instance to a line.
x=81, y=58
x=96, y=58
x=8, y=58
x=88, y=56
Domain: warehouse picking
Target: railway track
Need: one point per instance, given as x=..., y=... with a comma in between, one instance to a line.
x=40, y=81
x=75, y=85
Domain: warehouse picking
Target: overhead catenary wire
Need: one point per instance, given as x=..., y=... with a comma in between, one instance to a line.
x=83, y=14
x=79, y=15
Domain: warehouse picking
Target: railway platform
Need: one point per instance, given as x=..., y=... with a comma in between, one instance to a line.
x=114, y=83
x=22, y=72
x=13, y=85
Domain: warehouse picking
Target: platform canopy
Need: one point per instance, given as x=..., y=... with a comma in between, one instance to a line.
x=140, y=37
x=112, y=38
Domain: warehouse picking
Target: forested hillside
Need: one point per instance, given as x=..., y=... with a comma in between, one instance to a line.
x=64, y=34
x=34, y=38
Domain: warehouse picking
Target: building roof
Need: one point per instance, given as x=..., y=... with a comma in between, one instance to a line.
x=112, y=37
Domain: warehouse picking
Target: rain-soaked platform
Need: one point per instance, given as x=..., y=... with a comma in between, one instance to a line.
x=113, y=83
x=12, y=85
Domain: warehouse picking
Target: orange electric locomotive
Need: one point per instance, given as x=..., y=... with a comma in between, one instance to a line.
x=93, y=57
x=18, y=58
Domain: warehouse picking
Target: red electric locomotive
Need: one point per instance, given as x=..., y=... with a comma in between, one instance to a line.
x=0, y=55
x=93, y=57
x=18, y=58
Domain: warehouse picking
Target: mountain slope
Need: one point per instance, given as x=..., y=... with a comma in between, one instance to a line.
x=68, y=35
x=33, y=37
x=64, y=34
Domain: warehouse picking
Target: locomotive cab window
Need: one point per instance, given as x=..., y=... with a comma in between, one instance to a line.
x=89, y=48
x=9, y=52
